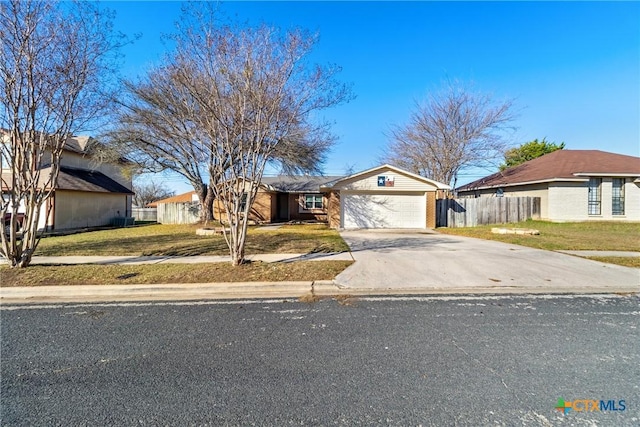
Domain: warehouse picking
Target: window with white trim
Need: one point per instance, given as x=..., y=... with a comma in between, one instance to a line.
x=595, y=196
x=617, y=196
x=313, y=201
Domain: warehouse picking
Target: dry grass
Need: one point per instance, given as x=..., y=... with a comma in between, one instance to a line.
x=604, y=236
x=181, y=240
x=311, y=298
x=39, y=275
x=624, y=261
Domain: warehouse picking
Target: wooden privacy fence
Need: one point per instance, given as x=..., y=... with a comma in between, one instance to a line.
x=486, y=210
x=178, y=213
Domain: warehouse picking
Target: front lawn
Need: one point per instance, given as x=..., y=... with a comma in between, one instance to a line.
x=181, y=240
x=577, y=236
x=51, y=275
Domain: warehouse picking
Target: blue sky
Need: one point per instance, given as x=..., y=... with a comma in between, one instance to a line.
x=572, y=67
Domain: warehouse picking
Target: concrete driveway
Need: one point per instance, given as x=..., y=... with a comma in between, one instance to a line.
x=431, y=261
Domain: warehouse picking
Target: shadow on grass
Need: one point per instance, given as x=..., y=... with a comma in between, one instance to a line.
x=182, y=241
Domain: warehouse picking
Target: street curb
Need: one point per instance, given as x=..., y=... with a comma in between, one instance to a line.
x=260, y=290
x=154, y=292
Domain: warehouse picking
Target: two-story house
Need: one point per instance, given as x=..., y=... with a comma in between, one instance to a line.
x=87, y=194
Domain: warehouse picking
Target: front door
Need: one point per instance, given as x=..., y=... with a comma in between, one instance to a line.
x=283, y=207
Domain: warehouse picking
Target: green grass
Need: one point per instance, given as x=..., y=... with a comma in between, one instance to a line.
x=181, y=240
x=603, y=236
x=41, y=275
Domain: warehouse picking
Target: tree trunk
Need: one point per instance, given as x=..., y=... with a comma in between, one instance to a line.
x=207, y=206
x=201, y=191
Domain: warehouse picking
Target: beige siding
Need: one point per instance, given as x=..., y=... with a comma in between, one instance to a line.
x=74, y=160
x=369, y=182
x=569, y=202
x=78, y=209
x=632, y=201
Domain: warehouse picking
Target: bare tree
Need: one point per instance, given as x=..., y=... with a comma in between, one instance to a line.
x=157, y=128
x=149, y=192
x=257, y=95
x=454, y=129
x=236, y=99
x=55, y=61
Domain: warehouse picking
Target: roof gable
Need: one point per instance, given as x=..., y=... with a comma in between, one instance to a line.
x=298, y=184
x=561, y=165
x=386, y=168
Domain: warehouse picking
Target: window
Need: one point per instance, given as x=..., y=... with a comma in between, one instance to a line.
x=595, y=196
x=312, y=201
x=243, y=202
x=617, y=196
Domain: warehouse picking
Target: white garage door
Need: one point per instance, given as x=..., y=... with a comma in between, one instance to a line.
x=384, y=210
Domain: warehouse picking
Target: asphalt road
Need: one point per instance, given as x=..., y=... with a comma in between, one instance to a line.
x=418, y=361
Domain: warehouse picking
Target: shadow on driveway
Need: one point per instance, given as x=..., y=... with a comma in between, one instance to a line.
x=392, y=241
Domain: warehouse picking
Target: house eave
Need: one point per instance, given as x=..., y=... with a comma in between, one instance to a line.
x=517, y=184
x=612, y=174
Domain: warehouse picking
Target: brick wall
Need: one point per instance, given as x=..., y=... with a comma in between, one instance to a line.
x=333, y=209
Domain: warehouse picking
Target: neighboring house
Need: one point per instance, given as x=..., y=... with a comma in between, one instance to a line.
x=573, y=185
x=279, y=199
x=189, y=196
x=293, y=198
x=87, y=194
x=382, y=197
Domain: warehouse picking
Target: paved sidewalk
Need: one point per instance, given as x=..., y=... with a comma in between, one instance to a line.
x=133, y=260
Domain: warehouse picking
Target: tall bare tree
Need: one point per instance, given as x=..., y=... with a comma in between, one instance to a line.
x=157, y=127
x=55, y=64
x=244, y=97
x=454, y=128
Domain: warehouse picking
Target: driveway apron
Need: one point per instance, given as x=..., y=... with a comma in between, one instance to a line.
x=429, y=260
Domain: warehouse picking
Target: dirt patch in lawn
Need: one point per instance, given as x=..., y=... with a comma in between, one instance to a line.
x=48, y=275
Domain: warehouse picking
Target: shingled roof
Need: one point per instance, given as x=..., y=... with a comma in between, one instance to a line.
x=180, y=198
x=561, y=165
x=298, y=184
x=86, y=180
